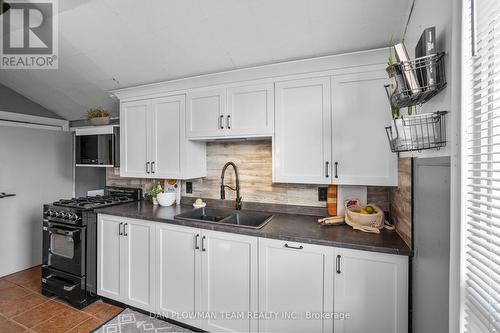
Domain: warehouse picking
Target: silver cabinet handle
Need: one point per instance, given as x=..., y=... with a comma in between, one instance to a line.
x=147, y=167
x=125, y=229
x=228, y=121
x=152, y=167
x=336, y=169
x=221, y=121
x=120, y=229
x=293, y=247
x=337, y=264
x=6, y=195
x=327, y=169
x=203, y=243
x=196, y=246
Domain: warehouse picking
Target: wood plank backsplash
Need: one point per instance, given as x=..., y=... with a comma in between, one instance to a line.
x=254, y=161
x=401, y=200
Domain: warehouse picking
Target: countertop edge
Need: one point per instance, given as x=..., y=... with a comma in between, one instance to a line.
x=258, y=233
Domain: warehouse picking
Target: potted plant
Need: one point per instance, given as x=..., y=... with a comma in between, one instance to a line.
x=98, y=116
x=153, y=193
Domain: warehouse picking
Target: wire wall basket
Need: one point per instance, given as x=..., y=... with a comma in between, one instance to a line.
x=416, y=81
x=418, y=132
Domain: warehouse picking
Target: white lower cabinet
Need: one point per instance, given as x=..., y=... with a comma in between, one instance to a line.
x=110, y=253
x=229, y=281
x=126, y=261
x=207, y=279
x=178, y=262
x=295, y=286
x=372, y=290
x=225, y=282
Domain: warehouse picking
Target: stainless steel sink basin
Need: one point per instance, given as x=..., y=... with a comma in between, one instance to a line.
x=244, y=219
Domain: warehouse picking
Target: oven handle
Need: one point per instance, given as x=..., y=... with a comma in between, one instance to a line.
x=62, y=231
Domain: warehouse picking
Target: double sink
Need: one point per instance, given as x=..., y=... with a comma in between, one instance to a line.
x=243, y=219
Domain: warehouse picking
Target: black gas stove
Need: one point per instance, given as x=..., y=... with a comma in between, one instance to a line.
x=70, y=244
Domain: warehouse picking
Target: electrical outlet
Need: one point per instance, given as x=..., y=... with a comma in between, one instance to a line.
x=322, y=193
x=189, y=187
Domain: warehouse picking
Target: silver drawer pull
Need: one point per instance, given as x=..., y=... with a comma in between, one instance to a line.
x=293, y=247
x=69, y=288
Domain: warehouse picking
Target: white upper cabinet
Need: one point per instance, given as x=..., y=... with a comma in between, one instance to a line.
x=250, y=110
x=206, y=112
x=361, y=111
x=153, y=141
x=135, y=137
x=232, y=111
x=372, y=288
x=167, y=116
x=327, y=119
x=302, y=147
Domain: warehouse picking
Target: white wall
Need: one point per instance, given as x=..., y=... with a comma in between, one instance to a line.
x=428, y=13
x=36, y=165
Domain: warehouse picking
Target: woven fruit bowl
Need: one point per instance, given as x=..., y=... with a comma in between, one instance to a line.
x=369, y=218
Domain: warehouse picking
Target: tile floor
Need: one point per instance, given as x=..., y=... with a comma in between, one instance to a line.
x=24, y=309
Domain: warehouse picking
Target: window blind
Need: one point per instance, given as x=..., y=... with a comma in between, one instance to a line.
x=481, y=167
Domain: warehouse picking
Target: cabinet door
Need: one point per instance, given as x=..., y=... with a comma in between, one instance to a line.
x=109, y=258
x=295, y=280
x=250, y=110
x=134, y=138
x=302, y=151
x=361, y=111
x=178, y=272
x=206, y=111
x=372, y=288
x=167, y=115
x=139, y=253
x=229, y=281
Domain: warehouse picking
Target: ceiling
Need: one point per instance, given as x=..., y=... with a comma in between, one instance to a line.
x=109, y=44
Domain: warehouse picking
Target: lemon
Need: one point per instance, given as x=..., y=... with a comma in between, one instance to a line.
x=364, y=211
x=370, y=209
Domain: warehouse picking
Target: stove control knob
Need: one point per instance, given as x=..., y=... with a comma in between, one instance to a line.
x=73, y=217
x=58, y=214
x=48, y=212
x=52, y=213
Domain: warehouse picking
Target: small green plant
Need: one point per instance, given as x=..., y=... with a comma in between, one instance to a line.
x=97, y=113
x=154, y=191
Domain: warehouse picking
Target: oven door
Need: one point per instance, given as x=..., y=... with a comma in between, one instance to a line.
x=64, y=247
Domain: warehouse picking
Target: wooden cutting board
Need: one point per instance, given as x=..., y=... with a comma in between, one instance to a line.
x=331, y=200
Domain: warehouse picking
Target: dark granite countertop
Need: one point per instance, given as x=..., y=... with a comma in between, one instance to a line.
x=296, y=228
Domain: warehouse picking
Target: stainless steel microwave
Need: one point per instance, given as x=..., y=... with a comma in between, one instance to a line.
x=98, y=146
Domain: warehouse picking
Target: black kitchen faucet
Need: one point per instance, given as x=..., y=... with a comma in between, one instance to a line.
x=223, y=187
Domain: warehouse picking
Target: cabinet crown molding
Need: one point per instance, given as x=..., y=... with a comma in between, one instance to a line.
x=326, y=64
